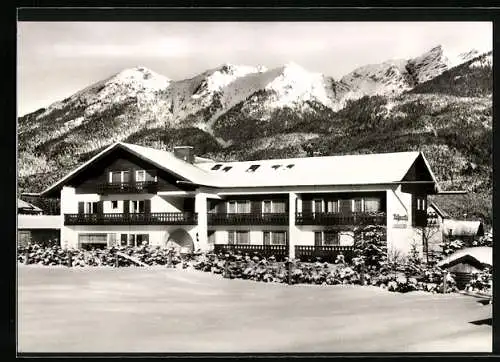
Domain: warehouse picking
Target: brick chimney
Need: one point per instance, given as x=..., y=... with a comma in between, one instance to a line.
x=185, y=153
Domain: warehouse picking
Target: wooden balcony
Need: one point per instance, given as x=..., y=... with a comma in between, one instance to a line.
x=340, y=219
x=147, y=187
x=155, y=218
x=278, y=251
x=248, y=219
x=325, y=253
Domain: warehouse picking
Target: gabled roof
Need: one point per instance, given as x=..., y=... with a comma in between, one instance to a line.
x=382, y=168
x=163, y=159
x=483, y=254
x=23, y=205
x=438, y=210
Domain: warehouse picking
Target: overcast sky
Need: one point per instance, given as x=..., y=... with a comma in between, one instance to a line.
x=57, y=59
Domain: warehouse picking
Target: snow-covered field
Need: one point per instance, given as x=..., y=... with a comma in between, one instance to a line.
x=173, y=310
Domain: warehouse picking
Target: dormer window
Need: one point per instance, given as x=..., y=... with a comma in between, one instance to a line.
x=216, y=167
x=253, y=168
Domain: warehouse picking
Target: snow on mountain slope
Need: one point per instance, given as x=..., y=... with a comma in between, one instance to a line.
x=385, y=78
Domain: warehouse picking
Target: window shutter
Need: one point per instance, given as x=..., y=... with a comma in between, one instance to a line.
x=345, y=206
x=267, y=238
x=126, y=206
x=221, y=207
x=317, y=238
x=306, y=206
x=131, y=177
x=256, y=207
x=81, y=207
x=147, y=206
x=100, y=207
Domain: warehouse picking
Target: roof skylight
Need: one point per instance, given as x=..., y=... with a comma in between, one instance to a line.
x=276, y=166
x=216, y=167
x=290, y=165
x=253, y=168
x=227, y=168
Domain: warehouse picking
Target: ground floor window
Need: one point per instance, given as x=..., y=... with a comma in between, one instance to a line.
x=93, y=241
x=274, y=237
x=238, y=237
x=326, y=237
x=134, y=239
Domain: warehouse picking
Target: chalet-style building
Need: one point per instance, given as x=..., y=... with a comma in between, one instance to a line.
x=129, y=194
x=34, y=226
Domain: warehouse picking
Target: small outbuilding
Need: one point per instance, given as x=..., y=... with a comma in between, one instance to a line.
x=466, y=261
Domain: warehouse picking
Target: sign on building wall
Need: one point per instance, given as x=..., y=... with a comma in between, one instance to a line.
x=400, y=221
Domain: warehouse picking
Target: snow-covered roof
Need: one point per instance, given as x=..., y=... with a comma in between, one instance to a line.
x=365, y=169
x=324, y=170
x=463, y=227
x=483, y=254
x=21, y=204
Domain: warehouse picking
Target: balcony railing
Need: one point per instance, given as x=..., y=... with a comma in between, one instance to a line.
x=333, y=218
x=248, y=219
x=149, y=187
x=155, y=218
x=325, y=253
x=278, y=251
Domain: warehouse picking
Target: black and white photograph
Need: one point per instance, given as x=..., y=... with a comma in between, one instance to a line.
x=254, y=187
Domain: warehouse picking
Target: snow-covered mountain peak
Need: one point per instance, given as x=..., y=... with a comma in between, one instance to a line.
x=294, y=84
x=140, y=76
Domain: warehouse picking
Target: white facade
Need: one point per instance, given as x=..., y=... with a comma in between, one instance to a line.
x=295, y=180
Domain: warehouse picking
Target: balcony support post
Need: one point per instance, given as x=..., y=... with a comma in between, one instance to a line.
x=293, y=230
x=200, y=207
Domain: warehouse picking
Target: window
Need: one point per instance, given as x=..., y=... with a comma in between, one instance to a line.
x=119, y=176
x=357, y=205
x=274, y=237
x=372, y=204
x=326, y=238
x=278, y=237
x=421, y=203
x=266, y=207
x=92, y=241
x=114, y=204
x=90, y=208
x=112, y=240
x=253, y=168
x=318, y=206
x=227, y=168
x=330, y=238
x=115, y=176
x=216, y=167
x=240, y=207
x=134, y=239
x=123, y=239
x=273, y=206
x=140, y=176
x=238, y=237
x=137, y=206
x=332, y=206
